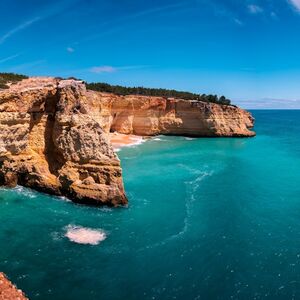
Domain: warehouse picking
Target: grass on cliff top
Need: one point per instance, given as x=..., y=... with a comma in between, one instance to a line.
x=6, y=78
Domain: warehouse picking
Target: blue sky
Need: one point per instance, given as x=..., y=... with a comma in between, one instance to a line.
x=246, y=50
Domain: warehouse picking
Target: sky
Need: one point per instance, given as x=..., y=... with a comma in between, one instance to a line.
x=247, y=50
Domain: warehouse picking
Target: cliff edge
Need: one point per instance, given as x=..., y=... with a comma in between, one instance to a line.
x=48, y=142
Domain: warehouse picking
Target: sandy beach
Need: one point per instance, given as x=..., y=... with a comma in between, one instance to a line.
x=119, y=140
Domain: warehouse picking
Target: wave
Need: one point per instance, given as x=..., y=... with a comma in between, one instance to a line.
x=25, y=192
x=84, y=235
x=189, y=139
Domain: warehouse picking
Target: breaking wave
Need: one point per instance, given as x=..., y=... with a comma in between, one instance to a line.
x=83, y=235
x=25, y=192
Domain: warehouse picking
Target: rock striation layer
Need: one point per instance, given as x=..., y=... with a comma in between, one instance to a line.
x=54, y=134
x=48, y=142
x=8, y=291
x=147, y=116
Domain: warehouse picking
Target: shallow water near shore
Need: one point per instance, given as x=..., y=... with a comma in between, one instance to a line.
x=207, y=219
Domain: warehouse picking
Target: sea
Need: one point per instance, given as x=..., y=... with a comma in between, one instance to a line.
x=208, y=218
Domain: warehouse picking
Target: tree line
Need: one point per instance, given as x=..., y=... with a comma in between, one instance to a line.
x=6, y=78
x=121, y=90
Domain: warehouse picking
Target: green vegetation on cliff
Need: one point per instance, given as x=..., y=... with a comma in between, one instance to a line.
x=6, y=78
x=121, y=90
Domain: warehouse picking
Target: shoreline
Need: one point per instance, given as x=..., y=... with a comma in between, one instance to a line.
x=120, y=140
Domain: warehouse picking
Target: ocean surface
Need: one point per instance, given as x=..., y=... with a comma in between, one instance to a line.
x=208, y=219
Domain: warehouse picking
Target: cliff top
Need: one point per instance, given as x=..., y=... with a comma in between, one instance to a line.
x=8, y=80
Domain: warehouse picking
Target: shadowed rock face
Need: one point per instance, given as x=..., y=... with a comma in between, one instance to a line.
x=8, y=291
x=48, y=142
x=143, y=115
x=53, y=134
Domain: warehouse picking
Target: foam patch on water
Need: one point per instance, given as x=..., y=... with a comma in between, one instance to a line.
x=189, y=139
x=25, y=192
x=86, y=236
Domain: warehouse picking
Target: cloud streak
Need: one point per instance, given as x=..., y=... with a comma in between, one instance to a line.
x=8, y=58
x=295, y=4
x=269, y=103
x=254, y=9
x=103, y=69
x=111, y=69
x=17, y=29
x=118, y=24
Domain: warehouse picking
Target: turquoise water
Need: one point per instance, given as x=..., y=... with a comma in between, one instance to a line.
x=208, y=219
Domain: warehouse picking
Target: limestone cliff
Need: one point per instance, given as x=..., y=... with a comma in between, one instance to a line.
x=48, y=142
x=53, y=134
x=141, y=115
x=8, y=291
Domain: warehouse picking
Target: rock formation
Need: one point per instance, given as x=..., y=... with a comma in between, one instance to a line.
x=53, y=134
x=8, y=291
x=147, y=116
x=48, y=142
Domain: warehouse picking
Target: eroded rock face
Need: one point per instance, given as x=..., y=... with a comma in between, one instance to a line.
x=148, y=116
x=50, y=143
x=8, y=291
x=53, y=134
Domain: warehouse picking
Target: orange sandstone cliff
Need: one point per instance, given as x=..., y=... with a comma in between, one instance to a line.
x=147, y=116
x=48, y=142
x=54, y=134
x=8, y=291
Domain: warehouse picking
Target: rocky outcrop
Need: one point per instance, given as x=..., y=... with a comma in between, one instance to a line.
x=147, y=116
x=53, y=134
x=50, y=143
x=8, y=291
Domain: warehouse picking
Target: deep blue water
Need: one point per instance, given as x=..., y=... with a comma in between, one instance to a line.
x=208, y=219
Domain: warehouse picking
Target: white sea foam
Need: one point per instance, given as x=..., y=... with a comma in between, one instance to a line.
x=25, y=192
x=189, y=138
x=83, y=235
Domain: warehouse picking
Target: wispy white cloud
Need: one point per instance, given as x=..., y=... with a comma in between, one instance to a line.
x=269, y=103
x=9, y=58
x=70, y=49
x=295, y=4
x=238, y=22
x=254, y=9
x=103, y=69
x=116, y=25
x=273, y=15
x=111, y=69
x=27, y=66
x=51, y=10
x=17, y=29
